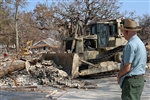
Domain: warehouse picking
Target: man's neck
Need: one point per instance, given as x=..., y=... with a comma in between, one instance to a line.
x=131, y=36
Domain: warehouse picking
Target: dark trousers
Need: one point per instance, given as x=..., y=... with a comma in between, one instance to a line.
x=132, y=88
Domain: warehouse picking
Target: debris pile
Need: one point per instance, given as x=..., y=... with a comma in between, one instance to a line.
x=45, y=73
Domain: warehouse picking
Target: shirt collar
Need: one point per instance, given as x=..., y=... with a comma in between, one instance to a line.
x=133, y=37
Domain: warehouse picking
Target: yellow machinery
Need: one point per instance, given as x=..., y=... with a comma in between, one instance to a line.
x=27, y=49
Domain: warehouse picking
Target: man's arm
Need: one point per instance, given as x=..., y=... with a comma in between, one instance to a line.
x=125, y=69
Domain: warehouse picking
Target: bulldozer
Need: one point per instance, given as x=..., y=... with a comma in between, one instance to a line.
x=102, y=41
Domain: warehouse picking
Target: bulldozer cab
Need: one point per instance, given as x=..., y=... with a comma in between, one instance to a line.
x=100, y=35
x=107, y=33
x=103, y=32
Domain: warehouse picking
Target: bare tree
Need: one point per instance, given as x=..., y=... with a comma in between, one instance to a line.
x=144, y=22
x=87, y=11
x=6, y=27
x=18, y=3
x=42, y=19
x=9, y=23
x=28, y=31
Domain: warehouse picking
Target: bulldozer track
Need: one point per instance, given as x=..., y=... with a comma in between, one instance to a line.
x=104, y=58
x=104, y=75
x=107, y=56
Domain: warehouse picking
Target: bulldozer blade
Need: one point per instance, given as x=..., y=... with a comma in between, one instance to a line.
x=69, y=61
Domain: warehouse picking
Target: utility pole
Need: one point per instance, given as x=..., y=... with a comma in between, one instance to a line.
x=16, y=27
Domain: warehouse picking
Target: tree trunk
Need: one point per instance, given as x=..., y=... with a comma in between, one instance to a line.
x=11, y=67
x=16, y=27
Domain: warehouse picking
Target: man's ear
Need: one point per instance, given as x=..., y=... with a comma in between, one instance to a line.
x=126, y=31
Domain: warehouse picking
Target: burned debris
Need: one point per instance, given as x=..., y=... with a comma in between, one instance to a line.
x=16, y=73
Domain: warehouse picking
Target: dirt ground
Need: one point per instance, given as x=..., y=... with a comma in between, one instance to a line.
x=107, y=89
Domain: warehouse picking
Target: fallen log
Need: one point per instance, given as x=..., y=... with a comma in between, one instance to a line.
x=11, y=67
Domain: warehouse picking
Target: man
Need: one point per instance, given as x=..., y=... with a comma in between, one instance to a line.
x=133, y=65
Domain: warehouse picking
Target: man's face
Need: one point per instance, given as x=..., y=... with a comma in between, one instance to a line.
x=125, y=33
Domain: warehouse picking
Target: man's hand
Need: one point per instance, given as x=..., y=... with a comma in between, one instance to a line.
x=125, y=69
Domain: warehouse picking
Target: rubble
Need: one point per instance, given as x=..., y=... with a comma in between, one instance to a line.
x=17, y=73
